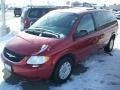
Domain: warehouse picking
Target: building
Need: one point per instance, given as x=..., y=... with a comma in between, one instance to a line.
x=115, y=7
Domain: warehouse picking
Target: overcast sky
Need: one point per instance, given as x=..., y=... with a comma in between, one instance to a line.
x=37, y=2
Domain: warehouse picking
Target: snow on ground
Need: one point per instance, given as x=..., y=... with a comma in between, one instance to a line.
x=99, y=72
x=103, y=73
x=3, y=84
x=14, y=24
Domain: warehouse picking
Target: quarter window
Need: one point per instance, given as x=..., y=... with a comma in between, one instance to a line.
x=103, y=19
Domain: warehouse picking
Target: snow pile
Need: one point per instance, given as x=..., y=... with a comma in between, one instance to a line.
x=103, y=74
x=5, y=86
x=6, y=38
x=1, y=64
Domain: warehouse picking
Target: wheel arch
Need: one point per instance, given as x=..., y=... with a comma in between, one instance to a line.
x=71, y=55
x=59, y=59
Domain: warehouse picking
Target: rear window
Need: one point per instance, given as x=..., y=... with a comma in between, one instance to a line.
x=17, y=8
x=38, y=12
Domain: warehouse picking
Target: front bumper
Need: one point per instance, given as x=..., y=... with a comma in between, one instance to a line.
x=29, y=72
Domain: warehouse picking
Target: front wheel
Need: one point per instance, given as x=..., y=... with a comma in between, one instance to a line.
x=110, y=45
x=63, y=70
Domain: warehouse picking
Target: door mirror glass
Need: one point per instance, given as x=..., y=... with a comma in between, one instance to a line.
x=83, y=32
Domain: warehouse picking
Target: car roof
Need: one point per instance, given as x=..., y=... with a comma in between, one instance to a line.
x=79, y=10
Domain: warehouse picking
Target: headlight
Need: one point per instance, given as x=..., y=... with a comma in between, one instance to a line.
x=35, y=60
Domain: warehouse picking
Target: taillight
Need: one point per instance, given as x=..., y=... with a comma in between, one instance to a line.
x=25, y=23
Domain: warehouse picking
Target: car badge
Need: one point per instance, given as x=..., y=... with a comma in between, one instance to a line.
x=43, y=48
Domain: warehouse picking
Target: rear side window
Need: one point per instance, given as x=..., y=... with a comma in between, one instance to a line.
x=103, y=19
x=37, y=12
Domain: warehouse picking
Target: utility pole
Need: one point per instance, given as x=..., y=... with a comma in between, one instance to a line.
x=30, y=2
x=3, y=29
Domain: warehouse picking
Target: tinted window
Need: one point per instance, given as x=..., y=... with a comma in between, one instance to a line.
x=99, y=18
x=86, y=23
x=103, y=19
x=37, y=12
x=17, y=8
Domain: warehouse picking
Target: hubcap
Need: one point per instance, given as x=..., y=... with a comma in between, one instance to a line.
x=65, y=70
x=111, y=44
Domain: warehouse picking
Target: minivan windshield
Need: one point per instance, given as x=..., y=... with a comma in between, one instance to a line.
x=59, y=23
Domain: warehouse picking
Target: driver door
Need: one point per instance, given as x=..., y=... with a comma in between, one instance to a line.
x=85, y=38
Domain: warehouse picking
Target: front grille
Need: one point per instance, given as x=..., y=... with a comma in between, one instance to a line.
x=12, y=56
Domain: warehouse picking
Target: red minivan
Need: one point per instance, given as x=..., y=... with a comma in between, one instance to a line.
x=59, y=40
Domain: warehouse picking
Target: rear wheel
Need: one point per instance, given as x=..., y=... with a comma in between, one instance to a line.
x=63, y=70
x=110, y=45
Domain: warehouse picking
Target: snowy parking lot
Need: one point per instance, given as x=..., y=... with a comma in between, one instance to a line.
x=99, y=72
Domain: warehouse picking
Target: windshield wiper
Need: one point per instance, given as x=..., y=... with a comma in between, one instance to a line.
x=49, y=34
x=42, y=32
x=33, y=32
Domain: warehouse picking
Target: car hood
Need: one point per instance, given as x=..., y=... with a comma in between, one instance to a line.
x=27, y=44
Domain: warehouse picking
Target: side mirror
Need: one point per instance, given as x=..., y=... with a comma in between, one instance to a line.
x=80, y=34
x=83, y=32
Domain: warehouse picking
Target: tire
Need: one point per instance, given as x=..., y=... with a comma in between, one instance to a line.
x=63, y=70
x=110, y=45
